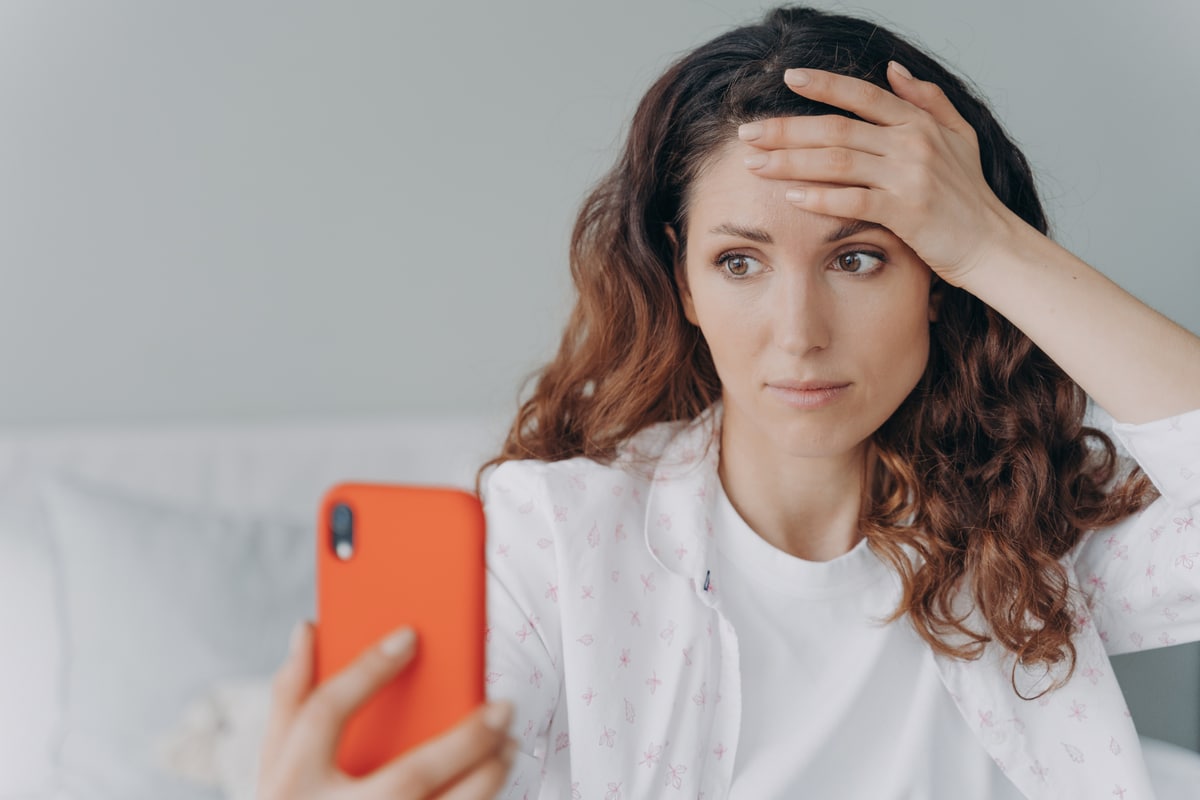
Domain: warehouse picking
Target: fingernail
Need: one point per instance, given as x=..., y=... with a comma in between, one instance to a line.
x=297, y=637
x=900, y=68
x=755, y=161
x=498, y=715
x=795, y=195
x=398, y=642
x=797, y=77
x=750, y=131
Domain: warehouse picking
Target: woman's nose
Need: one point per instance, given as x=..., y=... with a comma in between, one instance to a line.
x=803, y=313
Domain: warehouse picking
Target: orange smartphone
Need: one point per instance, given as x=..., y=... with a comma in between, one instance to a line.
x=393, y=555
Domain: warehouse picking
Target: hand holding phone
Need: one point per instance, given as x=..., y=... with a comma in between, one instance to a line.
x=303, y=730
x=401, y=555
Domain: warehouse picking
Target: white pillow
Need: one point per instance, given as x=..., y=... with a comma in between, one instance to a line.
x=159, y=605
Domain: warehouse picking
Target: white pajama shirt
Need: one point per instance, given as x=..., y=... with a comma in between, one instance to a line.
x=610, y=629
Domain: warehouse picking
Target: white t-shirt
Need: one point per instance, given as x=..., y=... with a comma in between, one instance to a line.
x=834, y=704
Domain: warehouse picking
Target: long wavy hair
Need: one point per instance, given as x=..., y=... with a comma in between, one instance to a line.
x=986, y=472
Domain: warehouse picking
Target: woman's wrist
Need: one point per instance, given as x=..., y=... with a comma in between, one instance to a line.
x=1013, y=246
x=1136, y=363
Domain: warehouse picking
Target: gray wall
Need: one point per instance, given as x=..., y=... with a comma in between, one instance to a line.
x=245, y=210
x=241, y=210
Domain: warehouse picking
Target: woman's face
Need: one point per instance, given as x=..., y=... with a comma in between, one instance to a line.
x=781, y=303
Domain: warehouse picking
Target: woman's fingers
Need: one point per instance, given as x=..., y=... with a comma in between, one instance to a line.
x=484, y=782
x=323, y=716
x=426, y=768
x=830, y=130
x=849, y=202
x=825, y=164
x=864, y=98
x=289, y=688
x=909, y=101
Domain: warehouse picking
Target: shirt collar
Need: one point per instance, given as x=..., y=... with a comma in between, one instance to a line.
x=681, y=502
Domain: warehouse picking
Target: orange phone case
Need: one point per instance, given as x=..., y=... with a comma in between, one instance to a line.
x=417, y=559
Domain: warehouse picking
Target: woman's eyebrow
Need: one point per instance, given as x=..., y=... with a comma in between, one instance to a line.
x=762, y=237
x=753, y=234
x=851, y=228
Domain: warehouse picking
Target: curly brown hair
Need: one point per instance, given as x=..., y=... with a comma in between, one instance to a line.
x=986, y=472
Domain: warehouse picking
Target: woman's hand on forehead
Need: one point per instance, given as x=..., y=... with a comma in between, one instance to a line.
x=911, y=164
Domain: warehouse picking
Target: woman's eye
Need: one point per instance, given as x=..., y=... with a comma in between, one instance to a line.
x=860, y=262
x=736, y=265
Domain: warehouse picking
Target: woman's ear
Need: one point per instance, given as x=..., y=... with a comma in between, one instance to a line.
x=680, y=272
x=935, y=297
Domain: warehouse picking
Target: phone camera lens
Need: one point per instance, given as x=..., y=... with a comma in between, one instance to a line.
x=342, y=525
x=342, y=518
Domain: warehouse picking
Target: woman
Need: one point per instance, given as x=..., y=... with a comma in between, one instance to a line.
x=805, y=503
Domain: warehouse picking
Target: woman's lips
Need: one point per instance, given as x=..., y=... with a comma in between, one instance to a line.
x=809, y=394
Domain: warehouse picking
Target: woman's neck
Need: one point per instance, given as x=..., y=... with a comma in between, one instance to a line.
x=808, y=507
